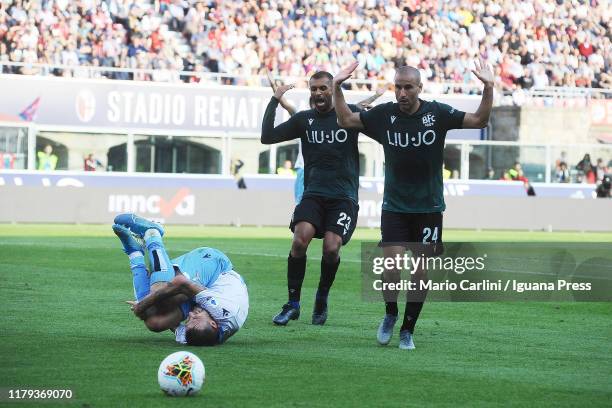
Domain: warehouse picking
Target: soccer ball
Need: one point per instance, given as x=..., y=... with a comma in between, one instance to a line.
x=181, y=374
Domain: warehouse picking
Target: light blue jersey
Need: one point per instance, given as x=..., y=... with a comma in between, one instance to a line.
x=203, y=265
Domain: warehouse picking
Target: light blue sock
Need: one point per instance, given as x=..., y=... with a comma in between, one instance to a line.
x=140, y=276
x=161, y=267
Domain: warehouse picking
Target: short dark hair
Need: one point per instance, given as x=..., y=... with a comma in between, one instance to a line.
x=322, y=74
x=408, y=70
x=201, y=337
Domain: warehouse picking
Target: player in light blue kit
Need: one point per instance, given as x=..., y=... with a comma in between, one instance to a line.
x=197, y=295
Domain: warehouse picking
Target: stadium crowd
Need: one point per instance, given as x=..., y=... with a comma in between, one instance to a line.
x=533, y=43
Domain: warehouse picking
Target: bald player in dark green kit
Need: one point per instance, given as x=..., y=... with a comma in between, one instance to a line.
x=412, y=132
x=328, y=208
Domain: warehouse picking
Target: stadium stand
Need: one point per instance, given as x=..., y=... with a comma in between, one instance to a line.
x=531, y=44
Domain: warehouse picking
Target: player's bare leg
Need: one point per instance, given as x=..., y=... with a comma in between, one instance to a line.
x=296, y=269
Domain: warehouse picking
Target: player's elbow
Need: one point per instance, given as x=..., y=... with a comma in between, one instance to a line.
x=476, y=122
x=482, y=123
x=265, y=140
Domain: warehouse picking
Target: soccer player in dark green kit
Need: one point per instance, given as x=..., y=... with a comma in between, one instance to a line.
x=412, y=132
x=328, y=208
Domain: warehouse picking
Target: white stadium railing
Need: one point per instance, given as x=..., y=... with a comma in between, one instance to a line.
x=166, y=75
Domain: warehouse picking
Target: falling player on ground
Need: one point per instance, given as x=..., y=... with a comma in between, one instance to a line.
x=197, y=295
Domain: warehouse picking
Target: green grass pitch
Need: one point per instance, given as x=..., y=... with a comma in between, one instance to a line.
x=64, y=324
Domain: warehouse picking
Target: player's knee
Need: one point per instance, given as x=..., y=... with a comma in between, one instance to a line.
x=155, y=325
x=299, y=245
x=331, y=250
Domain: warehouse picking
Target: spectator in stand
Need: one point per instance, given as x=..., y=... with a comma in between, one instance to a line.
x=603, y=189
x=235, y=169
x=46, y=159
x=446, y=173
x=534, y=43
x=516, y=174
x=587, y=172
x=601, y=170
x=512, y=173
x=7, y=160
x=286, y=169
x=90, y=163
x=561, y=159
x=562, y=175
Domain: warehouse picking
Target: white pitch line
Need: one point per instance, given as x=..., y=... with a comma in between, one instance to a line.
x=268, y=255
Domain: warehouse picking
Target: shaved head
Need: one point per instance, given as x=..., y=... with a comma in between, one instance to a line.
x=408, y=71
x=408, y=85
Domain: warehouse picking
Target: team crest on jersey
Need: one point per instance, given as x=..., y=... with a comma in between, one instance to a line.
x=310, y=121
x=211, y=300
x=393, y=117
x=429, y=119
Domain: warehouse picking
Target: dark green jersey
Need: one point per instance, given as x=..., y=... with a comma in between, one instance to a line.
x=331, y=157
x=414, y=153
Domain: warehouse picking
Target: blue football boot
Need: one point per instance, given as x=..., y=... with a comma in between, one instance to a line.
x=130, y=242
x=406, y=342
x=138, y=225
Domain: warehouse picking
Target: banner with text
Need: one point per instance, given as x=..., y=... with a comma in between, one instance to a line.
x=487, y=271
x=134, y=105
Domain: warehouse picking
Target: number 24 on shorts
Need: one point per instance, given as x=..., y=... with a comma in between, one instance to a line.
x=427, y=232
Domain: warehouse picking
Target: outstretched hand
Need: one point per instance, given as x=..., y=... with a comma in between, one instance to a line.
x=381, y=90
x=136, y=308
x=484, y=72
x=271, y=81
x=280, y=91
x=345, y=73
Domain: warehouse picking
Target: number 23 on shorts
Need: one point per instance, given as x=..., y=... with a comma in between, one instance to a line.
x=345, y=222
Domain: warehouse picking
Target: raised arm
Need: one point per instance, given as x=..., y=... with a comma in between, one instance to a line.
x=480, y=118
x=346, y=117
x=179, y=285
x=283, y=102
x=283, y=132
